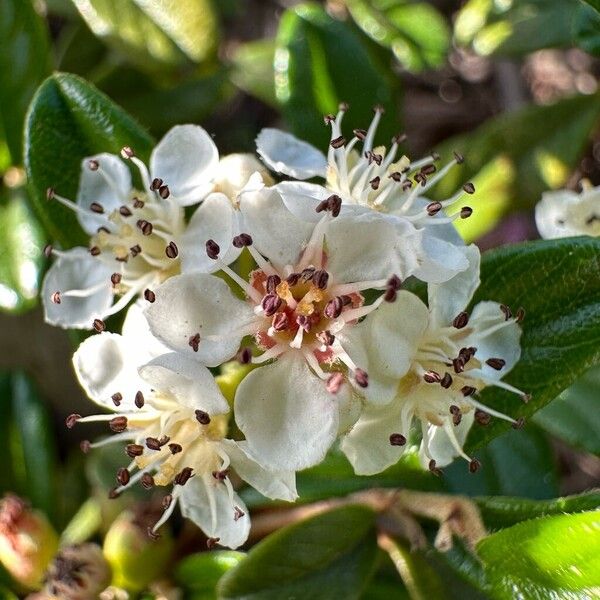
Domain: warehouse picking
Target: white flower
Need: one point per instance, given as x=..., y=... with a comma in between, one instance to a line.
x=429, y=364
x=305, y=291
x=171, y=416
x=564, y=213
x=374, y=178
x=135, y=233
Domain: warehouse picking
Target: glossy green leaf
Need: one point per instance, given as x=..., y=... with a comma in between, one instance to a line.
x=320, y=62
x=551, y=557
x=154, y=32
x=415, y=32
x=574, y=415
x=558, y=284
x=515, y=157
x=500, y=511
x=24, y=62
x=515, y=28
x=517, y=463
x=198, y=574
x=33, y=446
x=83, y=122
x=21, y=257
x=253, y=69
x=329, y=556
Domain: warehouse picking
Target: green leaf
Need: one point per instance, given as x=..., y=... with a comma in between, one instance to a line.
x=24, y=62
x=199, y=573
x=21, y=257
x=558, y=284
x=33, y=446
x=84, y=122
x=329, y=556
x=415, y=32
x=515, y=28
x=574, y=415
x=320, y=62
x=253, y=64
x=500, y=511
x=517, y=463
x=551, y=557
x=515, y=157
x=154, y=33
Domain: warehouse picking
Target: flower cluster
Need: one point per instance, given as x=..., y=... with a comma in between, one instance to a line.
x=302, y=282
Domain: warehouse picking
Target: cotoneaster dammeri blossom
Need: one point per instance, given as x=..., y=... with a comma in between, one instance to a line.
x=375, y=178
x=172, y=418
x=139, y=238
x=307, y=288
x=428, y=364
x=564, y=213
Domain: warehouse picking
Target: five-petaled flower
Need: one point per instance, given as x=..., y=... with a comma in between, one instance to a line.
x=429, y=364
x=172, y=418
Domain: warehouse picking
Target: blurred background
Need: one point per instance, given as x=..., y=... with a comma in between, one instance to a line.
x=512, y=84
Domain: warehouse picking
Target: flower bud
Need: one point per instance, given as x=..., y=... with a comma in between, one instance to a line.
x=234, y=171
x=230, y=377
x=78, y=572
x=27, y=541
x=137, y=559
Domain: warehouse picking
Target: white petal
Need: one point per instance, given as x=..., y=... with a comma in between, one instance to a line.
x=286, y=154
x=441, y=448
x=551, y=214
x=186, y=159
x=215, y=219
x=370, y=246
x=448, y=299
x=136, y=329
x=234, y=172
x=77, y=269
x=288, y=417
x=190, y=383
x=439, y=260
x=385, y=343
x=503, y=343
x=277, y=485
x=367, y=445
x=109, y=185
x=106, y=364
x=198, y=303
x=207, y=504
x=277, y=233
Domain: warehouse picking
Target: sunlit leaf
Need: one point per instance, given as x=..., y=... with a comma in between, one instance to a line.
x=551, y=557
x=415, y=32
x=253, y=69
x=517, y=156
x=198, y=574
x=21, y=257
x=154, y=32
